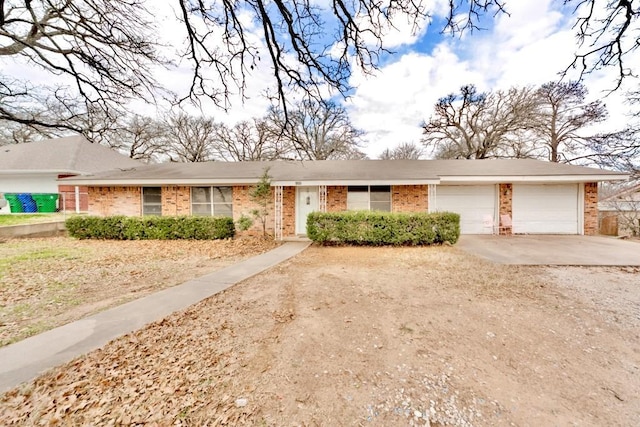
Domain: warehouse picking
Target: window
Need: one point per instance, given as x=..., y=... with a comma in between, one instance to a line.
x=151, y=201
x=369, y=198
x=212, y=201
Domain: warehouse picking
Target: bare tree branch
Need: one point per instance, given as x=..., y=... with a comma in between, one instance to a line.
x=317, y=131
x=606, y=39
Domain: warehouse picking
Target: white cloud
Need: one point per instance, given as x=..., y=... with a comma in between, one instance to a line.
x=391, y=106
x=530, y=47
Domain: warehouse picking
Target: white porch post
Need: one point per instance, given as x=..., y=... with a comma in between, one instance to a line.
x=278, y=212
x=322, y=196
x=77, y=190
x=431, y=198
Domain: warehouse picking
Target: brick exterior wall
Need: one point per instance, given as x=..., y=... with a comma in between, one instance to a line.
x=506, y=205
x=106, y=201
x=242, y=205
x=176, y=201
x=288, y=211
x=591, y=208
x=409, y=198
x=336, y=198
x=67, y=200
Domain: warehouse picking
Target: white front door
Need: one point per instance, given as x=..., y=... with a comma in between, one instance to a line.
x=306, y=202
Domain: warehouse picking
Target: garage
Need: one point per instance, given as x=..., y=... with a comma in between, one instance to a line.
x=545, y=209
x=472, y=202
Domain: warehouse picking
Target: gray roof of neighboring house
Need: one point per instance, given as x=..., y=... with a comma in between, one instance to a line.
x=350, y=172
x=626, y=199
x=73, y=155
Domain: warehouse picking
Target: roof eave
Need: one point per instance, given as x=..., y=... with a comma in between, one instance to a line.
x=41, y=172
x=98, y=182
x=533, y=178
x=342, y=182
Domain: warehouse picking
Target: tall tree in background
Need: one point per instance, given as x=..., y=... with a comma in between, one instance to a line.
x=473, y=125
x=404, y=151
x=620, y=149
x=188, y=138
x=562, y=114
x=247, y=141
x=317, y=131
x=103, y=53
x=140, y=138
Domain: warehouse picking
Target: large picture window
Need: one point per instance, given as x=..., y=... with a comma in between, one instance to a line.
x=369, y=198
x=212, y=201
x=151, y=201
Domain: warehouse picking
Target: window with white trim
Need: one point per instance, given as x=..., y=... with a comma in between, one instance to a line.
x=212, y=201
x=369, y=198
x=152, y=201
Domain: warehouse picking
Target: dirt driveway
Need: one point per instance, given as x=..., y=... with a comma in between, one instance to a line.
x=368, y=336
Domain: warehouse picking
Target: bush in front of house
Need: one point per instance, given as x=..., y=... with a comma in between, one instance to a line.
x=150, y=227
x=383, y=228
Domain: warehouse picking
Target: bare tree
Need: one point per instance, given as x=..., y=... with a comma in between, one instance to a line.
x=606, y=36
x=317, y=131
x=617, y=149
x=562, y=114
x=103, y=53
x=188, y=138
x=246, y=141
x=139, y=137
x=404, y=151
x=475, y=125
x=98, y=53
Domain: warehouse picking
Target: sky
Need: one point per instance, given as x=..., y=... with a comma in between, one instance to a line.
x=531, y=46
x=528, y=47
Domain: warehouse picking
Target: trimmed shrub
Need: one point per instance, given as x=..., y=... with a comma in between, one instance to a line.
x=383, y=228
x=150, y=227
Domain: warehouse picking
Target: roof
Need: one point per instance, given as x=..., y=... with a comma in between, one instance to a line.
x=626, y=199
x=72, y=155
x=350, y=172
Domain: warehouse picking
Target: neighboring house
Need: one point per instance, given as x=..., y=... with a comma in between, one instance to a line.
x=35, y=167
x=539, y=197
x=620, y=212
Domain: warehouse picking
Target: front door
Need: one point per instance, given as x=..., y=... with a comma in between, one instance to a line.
x=306, y=202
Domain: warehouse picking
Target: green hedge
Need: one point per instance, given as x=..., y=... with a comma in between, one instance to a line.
x=150, y=227
x=383, y=228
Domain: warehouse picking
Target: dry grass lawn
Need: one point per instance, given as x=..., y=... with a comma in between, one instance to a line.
x=48, y=282
x=365, y=336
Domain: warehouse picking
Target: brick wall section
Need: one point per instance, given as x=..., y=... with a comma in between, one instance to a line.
x=288, y=211
x=336, y=198
x=176, y=201
x=106, y=201
x=506, y=205
x=591, y=208
x=67, y=197
x=409, y=198
x=242, y=205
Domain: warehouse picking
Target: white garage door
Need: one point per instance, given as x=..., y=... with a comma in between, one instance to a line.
x=472, y=202
x=545, y=209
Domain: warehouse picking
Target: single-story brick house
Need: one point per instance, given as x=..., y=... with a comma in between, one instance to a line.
x=539, y=197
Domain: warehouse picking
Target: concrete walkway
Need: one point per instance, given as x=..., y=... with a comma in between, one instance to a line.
x=27, y=359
